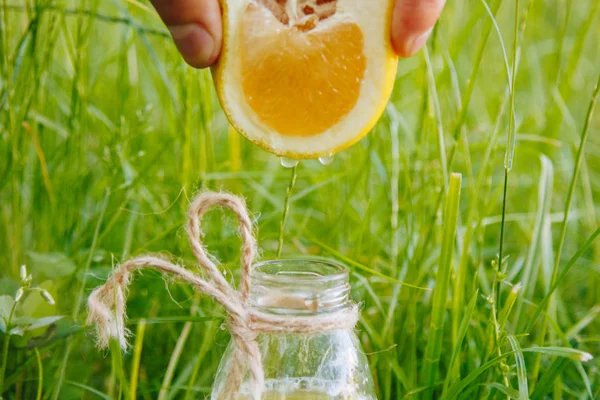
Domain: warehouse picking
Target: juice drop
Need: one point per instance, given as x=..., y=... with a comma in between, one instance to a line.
x=326, y=160
x=288, y=162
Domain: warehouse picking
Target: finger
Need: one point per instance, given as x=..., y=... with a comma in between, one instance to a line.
x=412, y=23
x=195, y=26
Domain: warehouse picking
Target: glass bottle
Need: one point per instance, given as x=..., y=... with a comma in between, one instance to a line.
x=328, y=365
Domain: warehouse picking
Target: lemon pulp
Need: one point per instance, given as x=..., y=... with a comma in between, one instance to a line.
x=300, y=81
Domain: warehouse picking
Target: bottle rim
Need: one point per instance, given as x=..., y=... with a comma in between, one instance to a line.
x=327, y=270
x=300, y=286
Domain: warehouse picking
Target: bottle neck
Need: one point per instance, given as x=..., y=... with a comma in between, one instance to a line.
x=300, y=287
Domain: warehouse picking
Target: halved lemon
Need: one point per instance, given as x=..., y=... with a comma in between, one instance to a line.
x=305, y=78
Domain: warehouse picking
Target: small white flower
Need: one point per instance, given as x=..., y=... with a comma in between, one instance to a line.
x=517, y=287
x=48, y=297
x=23, y=273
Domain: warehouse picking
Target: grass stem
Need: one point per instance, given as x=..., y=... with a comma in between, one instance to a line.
x=137, y=356
x=40, y=388
x=286, y=209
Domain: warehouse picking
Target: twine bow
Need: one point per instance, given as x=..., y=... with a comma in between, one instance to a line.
x=244, y=322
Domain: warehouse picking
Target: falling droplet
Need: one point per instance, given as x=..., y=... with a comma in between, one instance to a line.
x=326, y=160
x=288, y=162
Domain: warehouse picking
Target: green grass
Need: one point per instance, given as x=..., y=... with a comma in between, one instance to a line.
x=105, y=135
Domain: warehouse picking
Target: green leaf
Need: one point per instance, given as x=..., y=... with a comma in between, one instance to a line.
x=43, y=322
x=6, y=303
x=56, y=332
x=51, y=265
x=35, y=306
x=22, y=321
x=567, y=352
x=17, y=330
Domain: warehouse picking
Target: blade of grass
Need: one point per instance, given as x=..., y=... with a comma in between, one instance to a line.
x=457, y=388
x=314, y=188
x=137, y=356
x=577, y=51
x=571, y=191
x=32, y=132
x=510, y=148
x=206, y=344
x=440, y=293
x=174, y=360
x=563, y=232
x=510, y=392
x=171, y=320
x=156, y=61
x=508, y=162
x=575, y=330
x=188, y=170
x=458, y=127
x=508, y=306
x=80, y=294
x=462, y=331
x=394, y=127
x=89, y=389
x=530, y=273
x=205, y=146
x=492, y=16
x=117, y=375
x=567, y=352
x=545, y=384
x=543, y=304
x=40, y=388
x=438, y=116
x=468, y=92
x=358, y=265
x=521, y=368
x=560, y=335
x=472, y=224
x=78, y=12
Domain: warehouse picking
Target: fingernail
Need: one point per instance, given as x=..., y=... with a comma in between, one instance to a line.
x=194, y=43
x=414, y=43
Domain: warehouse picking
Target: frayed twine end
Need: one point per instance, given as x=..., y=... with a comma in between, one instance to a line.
x=108, y=324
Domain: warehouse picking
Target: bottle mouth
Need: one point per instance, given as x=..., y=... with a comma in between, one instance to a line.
x=300, y=286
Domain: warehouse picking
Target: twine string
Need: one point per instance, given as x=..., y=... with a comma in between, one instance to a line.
x=106, y=304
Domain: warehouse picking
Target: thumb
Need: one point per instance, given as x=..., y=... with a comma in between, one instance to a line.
x=196, y=28
x=412, y=23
